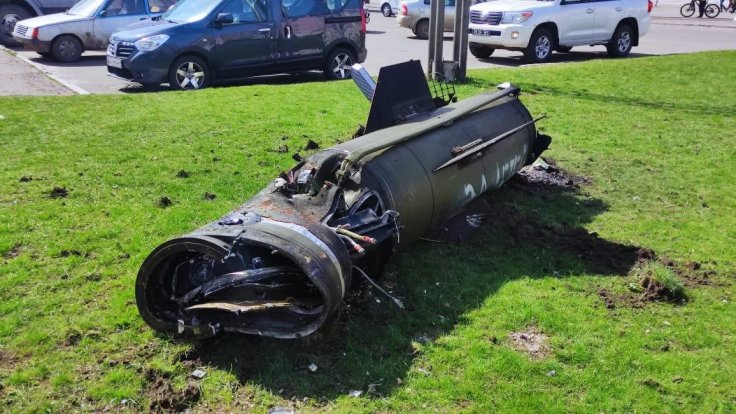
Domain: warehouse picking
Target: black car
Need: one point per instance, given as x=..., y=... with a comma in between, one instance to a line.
x=200, y=41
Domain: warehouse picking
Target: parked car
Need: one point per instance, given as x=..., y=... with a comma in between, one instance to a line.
x=539, y=27
x=201, y=41
x=86, y=26
x=414, y=14
x=389, y=7
x=13, y=11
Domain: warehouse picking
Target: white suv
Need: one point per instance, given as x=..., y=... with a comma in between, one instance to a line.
x=539, y=27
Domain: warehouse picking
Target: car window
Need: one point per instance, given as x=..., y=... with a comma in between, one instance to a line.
x=124, y=7
x=159, y=6
x=299, y=8
x=246, y=11
x=448, y=3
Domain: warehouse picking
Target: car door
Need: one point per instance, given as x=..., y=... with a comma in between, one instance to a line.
x=246, y=45
x=116, y=14
x=576, y=21
x=607, y=15
x=300, y=41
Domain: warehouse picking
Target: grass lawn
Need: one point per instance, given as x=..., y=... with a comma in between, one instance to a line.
x=655, y=137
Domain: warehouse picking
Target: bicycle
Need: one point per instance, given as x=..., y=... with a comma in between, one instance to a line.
x=711, y=10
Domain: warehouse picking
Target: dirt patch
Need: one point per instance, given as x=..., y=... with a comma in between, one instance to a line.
x=209, y=196
x=531, y=341
x=165, y=398
x=311, y=145
x=20, y=78
x=26, y=179
x=544, y=174
x=13, y=252
x=164, y=202
x=59, y=192
x=182, y=174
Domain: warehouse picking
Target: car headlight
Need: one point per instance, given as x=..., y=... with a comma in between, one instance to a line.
x=150, y=43
x=516, y=17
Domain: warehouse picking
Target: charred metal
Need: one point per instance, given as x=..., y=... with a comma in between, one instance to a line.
x=281, y=264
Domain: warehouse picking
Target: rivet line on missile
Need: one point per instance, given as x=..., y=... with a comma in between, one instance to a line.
x=474, y=150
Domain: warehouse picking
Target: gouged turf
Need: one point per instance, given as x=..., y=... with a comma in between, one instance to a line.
x=656, y=137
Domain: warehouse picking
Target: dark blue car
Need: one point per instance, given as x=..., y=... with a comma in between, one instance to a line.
x=198, y=42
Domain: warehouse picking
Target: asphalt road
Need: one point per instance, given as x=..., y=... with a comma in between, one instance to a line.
x=388, y=43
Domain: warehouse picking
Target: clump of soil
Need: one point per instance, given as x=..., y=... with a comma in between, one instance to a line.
x=545, y=173
x=59, y=192
x=164, y=398
x=26, y=179
x=182, y=174
x=209, y=196
x=283, y=148
x=311, y=145
x=531, y=341
x=164, y=202
x=67, y=253
x=13, y=252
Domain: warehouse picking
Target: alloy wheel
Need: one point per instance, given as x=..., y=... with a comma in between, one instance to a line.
x=7, y=24
x=624, y=42
x=341, y=65
x=543, y=47
x=190, y=75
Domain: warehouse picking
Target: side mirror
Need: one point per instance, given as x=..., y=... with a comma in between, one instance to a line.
x=224, y=18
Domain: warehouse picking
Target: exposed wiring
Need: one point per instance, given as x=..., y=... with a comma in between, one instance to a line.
x=377, y=286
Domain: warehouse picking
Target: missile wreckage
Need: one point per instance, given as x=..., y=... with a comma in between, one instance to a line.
x=281, y=264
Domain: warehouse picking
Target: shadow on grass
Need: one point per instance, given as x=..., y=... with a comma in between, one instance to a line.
x=574, y=56
x=533, y=231
x=277, y=79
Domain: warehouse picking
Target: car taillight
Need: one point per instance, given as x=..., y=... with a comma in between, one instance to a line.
x=34, y=33
x=362, y=20
x=650, y=5
x=404, y=9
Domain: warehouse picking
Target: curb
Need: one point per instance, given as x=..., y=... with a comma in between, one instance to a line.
x=68, y=85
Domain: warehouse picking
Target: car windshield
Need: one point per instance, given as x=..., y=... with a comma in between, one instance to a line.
x=85, y=8
x=186, y=11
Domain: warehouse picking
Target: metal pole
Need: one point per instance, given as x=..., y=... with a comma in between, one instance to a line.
x=436, y=34
x=462, y=40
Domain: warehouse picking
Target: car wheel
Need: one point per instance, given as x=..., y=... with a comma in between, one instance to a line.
x=687, y=10
x=66, y=48
x=10, y=14
x=422, y=29
x=338, y=63
x=189, y=73
x=540, y=46
x=621, y=42
x=564, y=49
x=481, y=51
x=386, y=10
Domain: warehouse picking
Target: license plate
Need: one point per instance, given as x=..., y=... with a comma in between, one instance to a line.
x=481, y=32
x=115, y=62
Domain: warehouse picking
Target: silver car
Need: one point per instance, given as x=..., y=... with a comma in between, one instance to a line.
x=414, y=14
x=86, y=26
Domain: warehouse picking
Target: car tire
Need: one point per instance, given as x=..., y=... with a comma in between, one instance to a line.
x=540, y=47
x=621, y=42
x=189, y=73
x=564, y=49
x=10, y=14
x=338, y=63
x=422, y=29
x=386, y=10
x=66, y=48
x=481, y=51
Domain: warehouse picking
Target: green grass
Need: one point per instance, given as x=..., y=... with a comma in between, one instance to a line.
x=655, y=136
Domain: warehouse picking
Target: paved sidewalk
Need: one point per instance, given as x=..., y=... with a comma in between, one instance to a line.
x=20, y=78
x=670, y=14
